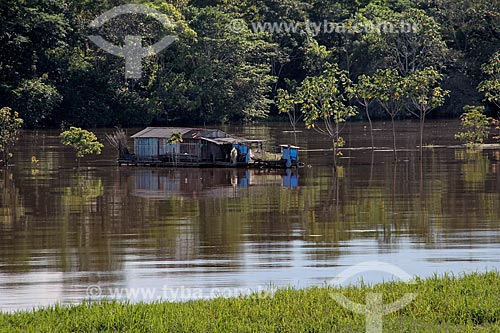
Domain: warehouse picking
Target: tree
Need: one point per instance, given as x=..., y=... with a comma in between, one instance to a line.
x=389, y=89
x=82, y=141
x=470, y=26
x=491, y=86
x=325, y=104
x=36, y=100
x=175, y=138
x=425, y=95
x=10, y=124
x=475, y=126
x=220, y=75
x=410, y=41
x=286, y=103
x=364, y=92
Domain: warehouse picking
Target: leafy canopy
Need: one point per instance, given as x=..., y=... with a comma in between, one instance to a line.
x=325, y=100
x=82, y=141
x=390, y=90
x=475, y=126
x=491, y=86
x=424, y=91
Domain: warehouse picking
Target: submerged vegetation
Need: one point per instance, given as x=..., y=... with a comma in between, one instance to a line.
x=82, y=141
x=442, y=304
x=325, y=105
x=10, y=125
x=475, y=126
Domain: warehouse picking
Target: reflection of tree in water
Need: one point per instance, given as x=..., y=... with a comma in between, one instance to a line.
x=339, y=207
x=80, y=197
x=475, y=167
x=11, y=208
x=385, y=205
x=91, y=222
x=60, y=226
x=480, y=180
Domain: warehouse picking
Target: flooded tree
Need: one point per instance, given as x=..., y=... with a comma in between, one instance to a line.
x=286, y=103
x=389, y=88
x=82, y=141
x=475, y=126
x=425, y=95
x=325, y=104
x=363, y=92
x=10, y=124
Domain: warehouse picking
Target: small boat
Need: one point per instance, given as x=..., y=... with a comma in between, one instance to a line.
x=200, y=147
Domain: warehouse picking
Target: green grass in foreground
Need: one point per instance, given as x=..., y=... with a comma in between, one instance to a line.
x=444, y=304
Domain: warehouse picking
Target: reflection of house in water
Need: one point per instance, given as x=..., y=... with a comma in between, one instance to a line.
x=197, y=183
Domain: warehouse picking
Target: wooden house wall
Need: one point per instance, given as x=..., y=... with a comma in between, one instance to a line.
x=152, y=148
x=146, y=148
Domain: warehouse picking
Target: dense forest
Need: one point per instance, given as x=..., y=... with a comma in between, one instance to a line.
x=53, y=75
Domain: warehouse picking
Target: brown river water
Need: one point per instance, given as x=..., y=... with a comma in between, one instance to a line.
x=146, y=234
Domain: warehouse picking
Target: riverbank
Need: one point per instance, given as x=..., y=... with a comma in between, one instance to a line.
x=442, y=304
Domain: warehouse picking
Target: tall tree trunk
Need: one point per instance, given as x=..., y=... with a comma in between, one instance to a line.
x=334, y=155
x=294, y=127
x=394, y=138
x=371, y=168
x=422, y=124
x=371, y=125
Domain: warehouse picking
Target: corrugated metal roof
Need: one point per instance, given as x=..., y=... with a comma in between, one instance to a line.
x=212, y=135
x=231, y=140
x=166, y=132
x=223, y=141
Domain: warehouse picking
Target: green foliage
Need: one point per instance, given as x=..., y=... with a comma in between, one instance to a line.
x=425, y=92
x=491, y=85
x=418, y=43
x=175, y=138
x=316, y=57
x=390, y=90
x=364, y=93
x=475, y=126
x=364, y=90
x=470, y=26
x=10, y=124
x=325, y=103
x=37, y=101
x=324, y=99
x=82, y=141
x=50, y=73
x=287, y=103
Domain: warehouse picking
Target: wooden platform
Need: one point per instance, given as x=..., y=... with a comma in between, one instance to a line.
x=203, y=164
